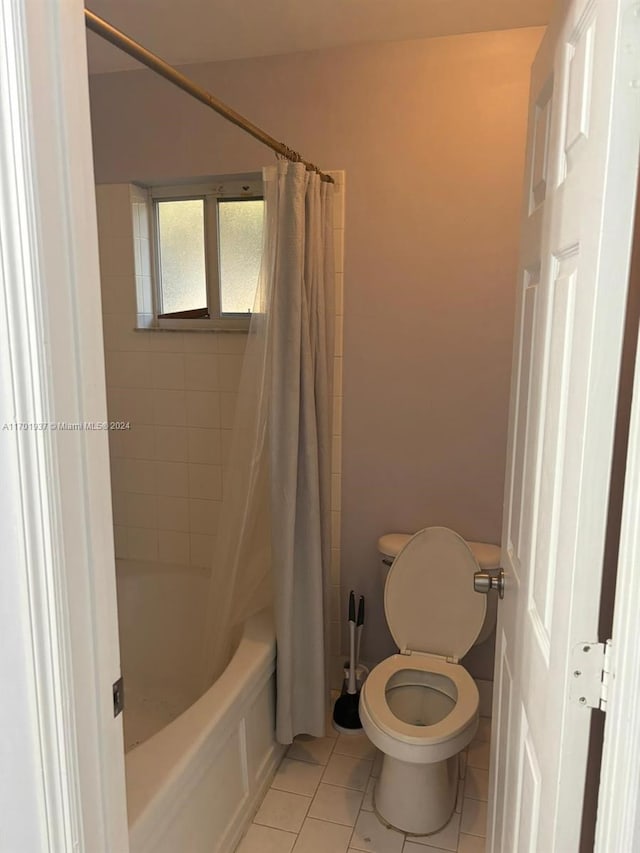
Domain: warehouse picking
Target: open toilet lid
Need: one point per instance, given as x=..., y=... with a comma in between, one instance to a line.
x=429, y=600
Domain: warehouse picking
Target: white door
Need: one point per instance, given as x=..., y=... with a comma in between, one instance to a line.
x=584, y=127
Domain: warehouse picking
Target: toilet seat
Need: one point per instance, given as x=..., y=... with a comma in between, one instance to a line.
x=464, y=712
x=429, y=601
x=434, y=616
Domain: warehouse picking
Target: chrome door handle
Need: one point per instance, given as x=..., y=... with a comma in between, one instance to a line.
x=486, y=581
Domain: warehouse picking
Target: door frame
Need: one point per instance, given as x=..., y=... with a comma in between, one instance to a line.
x=58, y=604
x=58, y=618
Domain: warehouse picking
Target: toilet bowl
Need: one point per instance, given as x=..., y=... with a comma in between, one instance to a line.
x=420, y=707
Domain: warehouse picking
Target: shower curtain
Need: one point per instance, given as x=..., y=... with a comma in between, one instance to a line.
x=273, y=541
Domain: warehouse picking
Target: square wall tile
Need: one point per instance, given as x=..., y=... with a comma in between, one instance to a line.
x=133, y=475
x=201, y=550
x=142, y=544
x=169, y=407
x=205, y=482
x=136, y=442
x=165, y=340
x=201, y=371
x=230, y=371
x=134, y=405
x=205, y=446
x=205, y=342
x=228, y=401
x=232, y=343
x=203, y=516
x=171, y=443
x=203, y=409
x=138, y=510
x=173, y=547
x=167, y=370
x=118, y=294
x=172, y=479
x=173, y=514
x=337, y=376
x=336, y=454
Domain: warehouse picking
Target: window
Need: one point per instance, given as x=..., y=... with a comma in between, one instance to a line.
x=208, y=247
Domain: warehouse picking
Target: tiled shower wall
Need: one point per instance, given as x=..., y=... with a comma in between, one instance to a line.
x=178, y=391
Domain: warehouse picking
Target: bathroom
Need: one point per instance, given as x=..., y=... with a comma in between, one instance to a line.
x=424, y=132
x=418, y=152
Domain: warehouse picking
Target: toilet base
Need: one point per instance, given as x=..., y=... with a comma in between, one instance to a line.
x=416, y=798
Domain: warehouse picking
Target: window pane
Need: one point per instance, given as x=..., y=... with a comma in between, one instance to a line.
x=240, y=250
x=182, y=264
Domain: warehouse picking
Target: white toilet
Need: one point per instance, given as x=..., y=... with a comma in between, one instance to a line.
x=420, y=706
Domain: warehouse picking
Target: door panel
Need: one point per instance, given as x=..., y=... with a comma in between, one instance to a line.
x=569, y=325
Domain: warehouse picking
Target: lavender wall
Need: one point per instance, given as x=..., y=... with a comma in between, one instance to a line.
x=431, y=135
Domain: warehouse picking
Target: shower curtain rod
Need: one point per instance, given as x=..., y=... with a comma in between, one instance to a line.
x=108, y=32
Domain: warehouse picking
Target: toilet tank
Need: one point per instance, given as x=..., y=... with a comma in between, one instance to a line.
x=487, y=556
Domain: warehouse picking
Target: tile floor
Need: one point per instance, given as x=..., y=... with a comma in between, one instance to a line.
x=320, y=802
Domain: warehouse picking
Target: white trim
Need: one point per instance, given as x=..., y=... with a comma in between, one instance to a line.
x=618, y=824
x=64, y=789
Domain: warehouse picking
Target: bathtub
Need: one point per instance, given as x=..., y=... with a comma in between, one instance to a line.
x=193, y=786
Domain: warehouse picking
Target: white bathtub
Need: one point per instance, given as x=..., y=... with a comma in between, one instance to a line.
x=193, y=786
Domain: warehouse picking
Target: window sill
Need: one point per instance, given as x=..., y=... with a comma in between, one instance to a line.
x=240, y=324
x=225, y=330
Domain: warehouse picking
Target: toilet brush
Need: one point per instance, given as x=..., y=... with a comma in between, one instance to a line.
x=345, y=712
x=359, y=624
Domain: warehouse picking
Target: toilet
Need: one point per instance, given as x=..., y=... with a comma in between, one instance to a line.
x=420, y=706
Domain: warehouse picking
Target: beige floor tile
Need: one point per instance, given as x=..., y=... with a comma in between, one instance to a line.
x=264, y=839
x=471, y=844
x=298, y=777
x=478, y=754
x=348, y=772
x=445, y=839
x=283, y=810
x=474, y=817
x=359, y=746
x=484, y=729
x=339, y=805
x=315, y=750
x=476, y=785
x=320, y=836
x=410, y=846
x=369, y=834
x=367, y=803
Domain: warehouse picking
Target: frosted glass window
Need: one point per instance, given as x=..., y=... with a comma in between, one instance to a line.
x=182, y=255
x=240, y=251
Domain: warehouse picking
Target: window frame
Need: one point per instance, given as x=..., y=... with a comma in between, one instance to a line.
x=210, y=192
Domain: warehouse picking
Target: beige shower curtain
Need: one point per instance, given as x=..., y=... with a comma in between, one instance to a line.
x=273, y=539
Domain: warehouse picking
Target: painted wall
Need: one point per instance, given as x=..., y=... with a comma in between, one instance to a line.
x=431, y=135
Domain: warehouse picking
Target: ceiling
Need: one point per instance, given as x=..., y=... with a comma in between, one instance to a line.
x=185, y=31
